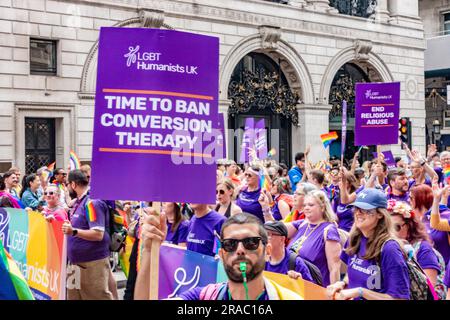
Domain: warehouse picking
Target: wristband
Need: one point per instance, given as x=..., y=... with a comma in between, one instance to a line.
x=360, y=292
x=74, y=232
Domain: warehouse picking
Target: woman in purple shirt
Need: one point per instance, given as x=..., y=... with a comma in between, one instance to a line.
x=348, y=188
x=377, y=268
x=421, y=202
x=249, y=195
x=316, y=238
x=412, y=231
x=177, y=226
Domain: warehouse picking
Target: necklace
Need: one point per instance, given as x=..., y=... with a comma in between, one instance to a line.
x=299, y=243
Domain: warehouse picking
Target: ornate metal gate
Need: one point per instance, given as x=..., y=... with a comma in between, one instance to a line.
x=39, y=143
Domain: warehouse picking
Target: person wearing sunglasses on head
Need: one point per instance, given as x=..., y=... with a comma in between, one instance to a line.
x=376, y=266
x=244, y=249
x=224, y=194
x=53, y=210
x=412, y=231
x=248, y=197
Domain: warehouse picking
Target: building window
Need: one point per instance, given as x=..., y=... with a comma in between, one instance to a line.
x=446, y=23
x=43, y=56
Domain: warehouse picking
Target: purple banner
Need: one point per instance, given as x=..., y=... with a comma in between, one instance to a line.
x=155, y=113
x=388, y=158
x=181, y=270
x=344, y=127
x=261, y=139
x=247, y=139
x=377, y=113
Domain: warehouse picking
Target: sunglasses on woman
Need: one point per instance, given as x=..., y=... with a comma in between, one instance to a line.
x=49, y=193
x=222, y=192
x=250, y=243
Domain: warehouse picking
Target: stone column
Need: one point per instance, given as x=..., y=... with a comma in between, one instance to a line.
x=404, y=12
x=313, y=120
x=223, y=108
x=382, y=12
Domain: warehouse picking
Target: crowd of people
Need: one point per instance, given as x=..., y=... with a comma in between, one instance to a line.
x=354, y=229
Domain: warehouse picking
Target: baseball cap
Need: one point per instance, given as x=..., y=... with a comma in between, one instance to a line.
x=277, y=227
x=370, y=198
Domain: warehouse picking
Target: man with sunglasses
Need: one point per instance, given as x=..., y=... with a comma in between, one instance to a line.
x=60, y=180
x=244, y=248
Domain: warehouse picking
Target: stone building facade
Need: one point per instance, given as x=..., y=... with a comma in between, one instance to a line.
x=310, y=43
x=436, y=23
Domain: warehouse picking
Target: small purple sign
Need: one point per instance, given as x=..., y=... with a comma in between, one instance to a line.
x=156, y=111
x=388, y=158
x=377, y=113
x=261, y=139
x=247, y=140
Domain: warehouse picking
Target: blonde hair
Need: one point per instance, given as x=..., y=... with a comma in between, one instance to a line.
x=322, y=199
x=382, y=233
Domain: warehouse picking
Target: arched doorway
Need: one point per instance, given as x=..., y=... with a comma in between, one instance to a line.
x=259, y=89
x=343, y=88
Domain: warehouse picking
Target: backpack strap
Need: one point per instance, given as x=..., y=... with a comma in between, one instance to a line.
x=213, y=291
x=292, y=260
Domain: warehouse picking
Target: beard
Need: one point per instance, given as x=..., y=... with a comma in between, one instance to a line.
x=252, y=273
x=72, y=193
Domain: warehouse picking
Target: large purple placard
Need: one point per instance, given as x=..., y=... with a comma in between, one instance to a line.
x=377, y=113
x=156, y=112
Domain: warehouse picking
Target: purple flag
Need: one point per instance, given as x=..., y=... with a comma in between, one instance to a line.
x=344, y=126
x=247, y=139
x=155, y=103
x=388, y=158
x=261, y=139
x=377, y=113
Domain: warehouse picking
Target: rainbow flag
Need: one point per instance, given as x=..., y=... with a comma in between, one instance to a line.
x=272, y=153
x=447, y=174
x=328, y=138
x=51, y=166
x=91, y=214
x=264, y=183
x=13, y=284
x=74, y=161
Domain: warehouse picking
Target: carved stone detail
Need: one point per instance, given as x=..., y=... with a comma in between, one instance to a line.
x=362, y=50
x=270, y=35
x=151, y=18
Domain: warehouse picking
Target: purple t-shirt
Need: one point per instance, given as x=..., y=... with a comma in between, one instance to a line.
x=426, y=257
x=248, y=202
x=393, y=278
x=80, y=250
x=201, y=236
x=194, y=294
x=412, y=182
x=180, y=234
x=440, y=238
x=345, y=212
x=404, y=197
x=313, y=248
x=447, y=276
x=283, y=266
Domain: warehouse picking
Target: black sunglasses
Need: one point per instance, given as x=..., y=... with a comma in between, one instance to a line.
x=50, y=193
x=251, y=243
x=222, y=192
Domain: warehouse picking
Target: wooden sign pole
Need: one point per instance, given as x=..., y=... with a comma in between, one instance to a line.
x=154, y=261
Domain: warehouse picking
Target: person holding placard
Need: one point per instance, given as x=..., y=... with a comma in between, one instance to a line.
x=244, y=249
